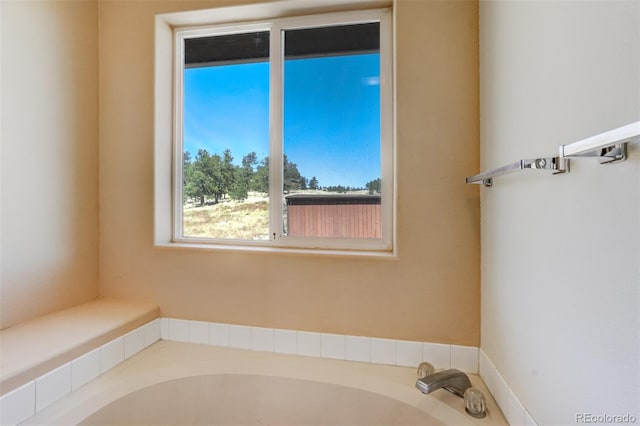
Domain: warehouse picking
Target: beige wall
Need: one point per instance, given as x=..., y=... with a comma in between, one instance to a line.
x=561, y=254
x=49, y=136
x=430, y=293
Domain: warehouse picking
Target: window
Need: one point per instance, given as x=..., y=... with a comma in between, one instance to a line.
x=283, y=133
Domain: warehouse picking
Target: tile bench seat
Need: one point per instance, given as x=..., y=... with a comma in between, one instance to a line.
x=33, y=348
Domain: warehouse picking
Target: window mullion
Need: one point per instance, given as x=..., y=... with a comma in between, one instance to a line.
x=276, y=59
x=179, y=138
x=387, y=129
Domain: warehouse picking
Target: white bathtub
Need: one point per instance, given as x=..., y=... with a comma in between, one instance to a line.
x=174, y=383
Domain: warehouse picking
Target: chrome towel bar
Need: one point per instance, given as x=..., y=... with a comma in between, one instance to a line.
x=557, y=164
x=610, y=147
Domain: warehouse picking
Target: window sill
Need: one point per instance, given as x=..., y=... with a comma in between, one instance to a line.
x=378, y=254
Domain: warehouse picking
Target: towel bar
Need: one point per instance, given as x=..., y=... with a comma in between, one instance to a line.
x=610, y=147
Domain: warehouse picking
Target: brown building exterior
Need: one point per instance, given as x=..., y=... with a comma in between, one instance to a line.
x=334, y=215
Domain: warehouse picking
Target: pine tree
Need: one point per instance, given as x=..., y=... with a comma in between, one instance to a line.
x=313, y=183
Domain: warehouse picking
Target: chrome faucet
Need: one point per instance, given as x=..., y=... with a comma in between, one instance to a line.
x=453, y=380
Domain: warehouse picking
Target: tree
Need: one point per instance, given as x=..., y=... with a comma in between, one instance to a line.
x=373, y=186
x=260, y=180
x=292, y=179
x=187, y=175
x=199, y=176
x=205, y=177
x=215, y=176
x=227, y=172
x=240, y=186
x=214, y=166
x=313, y=183
x=248, y=163
x=337, y=188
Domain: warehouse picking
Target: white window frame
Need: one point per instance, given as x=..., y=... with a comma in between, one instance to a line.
x=172, y=234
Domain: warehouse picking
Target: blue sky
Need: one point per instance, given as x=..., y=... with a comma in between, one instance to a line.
x=331, y=123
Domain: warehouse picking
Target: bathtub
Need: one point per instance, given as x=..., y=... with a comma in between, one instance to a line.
x=173, y=383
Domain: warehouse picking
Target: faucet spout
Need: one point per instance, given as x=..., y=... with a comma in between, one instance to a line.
x=453, y=380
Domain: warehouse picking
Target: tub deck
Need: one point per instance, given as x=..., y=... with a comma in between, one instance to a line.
x=166, y=360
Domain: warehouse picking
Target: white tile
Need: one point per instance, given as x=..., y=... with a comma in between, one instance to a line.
x=489, y=378
x=219, y=334
x=383, y=351
x=152, y=332
x=332, y=346
x=53, y=386
x=408, y=354
x=514, y=411
x=501, y=393
x=488, y=374
x=285, y=341
x=464, y=358
x=483, y=363
x=134, y=342
x=178, y=330
x=357, y=348
x=18, y=405
x=438, y=354
x=309, y=344
x=164, y=328
x=199, y=332
x=111, y=354
x=262, y=339
x=528, y=420
x=240, y=336
x=85, y=368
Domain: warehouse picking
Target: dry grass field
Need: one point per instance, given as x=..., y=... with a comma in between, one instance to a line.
x=229, y=219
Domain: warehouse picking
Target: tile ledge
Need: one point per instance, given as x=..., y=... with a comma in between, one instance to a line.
x=35, y=347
